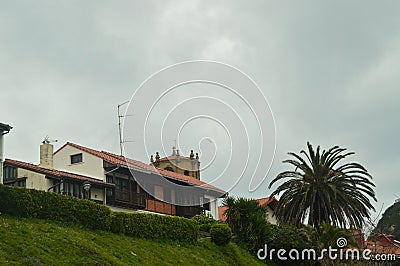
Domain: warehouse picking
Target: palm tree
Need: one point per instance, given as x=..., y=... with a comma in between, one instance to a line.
x=240, y=212
x=320, y=190
x=247, y=220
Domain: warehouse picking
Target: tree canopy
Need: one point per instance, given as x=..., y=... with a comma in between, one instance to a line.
x=321, y=189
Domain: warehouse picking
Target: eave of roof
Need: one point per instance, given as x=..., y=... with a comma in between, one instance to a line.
x=54, y=173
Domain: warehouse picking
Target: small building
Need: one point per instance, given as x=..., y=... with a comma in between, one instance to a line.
x=270, y=203
x=189, y=166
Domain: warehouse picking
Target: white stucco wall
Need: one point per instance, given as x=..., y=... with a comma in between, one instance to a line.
x=99, y=192
x=271, y=219
x=213, y=206
x=35, y=180
x=91, y=166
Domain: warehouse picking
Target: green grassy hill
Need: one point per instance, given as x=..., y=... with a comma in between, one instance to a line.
x=41, y=242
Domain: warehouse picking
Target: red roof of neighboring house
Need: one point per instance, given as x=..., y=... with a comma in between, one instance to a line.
x=53, y=173
x=221, y=213
x=270, y=202
x=379, y=247
x=124, y=161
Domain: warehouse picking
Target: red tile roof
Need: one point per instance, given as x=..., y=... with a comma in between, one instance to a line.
x=383, y=243
x=54, y=173
x=124, y=161
x=270, y=202
x=221, y=213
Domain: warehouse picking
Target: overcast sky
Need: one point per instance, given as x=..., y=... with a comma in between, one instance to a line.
x=329, y=70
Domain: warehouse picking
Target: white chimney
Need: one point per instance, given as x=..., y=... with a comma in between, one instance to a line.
x=4, y=129
x=46, y=155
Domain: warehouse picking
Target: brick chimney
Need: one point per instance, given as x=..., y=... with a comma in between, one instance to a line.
x=46, y=155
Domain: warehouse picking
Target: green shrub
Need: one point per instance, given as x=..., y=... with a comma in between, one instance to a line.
x=248, y=222
x=221, y=234
x=147, y=225
x=287, y=238
x=32, y=203
x=205, y=222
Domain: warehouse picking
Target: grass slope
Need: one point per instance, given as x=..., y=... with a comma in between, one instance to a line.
x=40, y=242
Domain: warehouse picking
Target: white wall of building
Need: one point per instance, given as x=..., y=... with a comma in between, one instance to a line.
x=35, y=180
x=213, y=206
x=270, y=218
x=97, y=194
x=91, y=165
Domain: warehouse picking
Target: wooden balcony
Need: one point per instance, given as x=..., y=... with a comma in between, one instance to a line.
x=160, y=207
x=127, y=199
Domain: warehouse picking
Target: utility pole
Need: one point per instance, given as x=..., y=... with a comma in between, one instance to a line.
x=119, y=125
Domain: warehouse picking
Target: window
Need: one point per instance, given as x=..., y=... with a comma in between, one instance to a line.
x=76, y=158
x=10, y=172
x=121, y=184
x=21, y=183
x=56, y=186
x=169, y=168
x=186, y=172
x=77, y=192
x=109, y=179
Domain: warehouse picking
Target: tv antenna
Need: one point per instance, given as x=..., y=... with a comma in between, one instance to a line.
x=119, y=125
x=47, y=140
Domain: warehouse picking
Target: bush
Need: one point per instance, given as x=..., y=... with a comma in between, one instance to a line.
x=32, y=203
x=248, y=222
x=147, y=225
x=221, y=234
x=205, y=222
x=287, y=237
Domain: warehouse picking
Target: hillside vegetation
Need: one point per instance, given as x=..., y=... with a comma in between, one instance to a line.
x=27, y=241
x=390, y=221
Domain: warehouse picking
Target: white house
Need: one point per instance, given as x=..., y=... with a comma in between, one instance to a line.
x=119, y=182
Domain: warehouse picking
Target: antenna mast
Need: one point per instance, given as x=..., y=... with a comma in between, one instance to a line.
x=119, y=126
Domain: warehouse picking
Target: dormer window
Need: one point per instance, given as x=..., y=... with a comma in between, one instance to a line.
x=76, y=158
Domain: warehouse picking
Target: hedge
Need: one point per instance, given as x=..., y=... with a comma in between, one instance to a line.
x=155, y=226
x=32, y=203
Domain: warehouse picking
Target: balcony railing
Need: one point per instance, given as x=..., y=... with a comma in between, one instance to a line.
x=188, y=211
